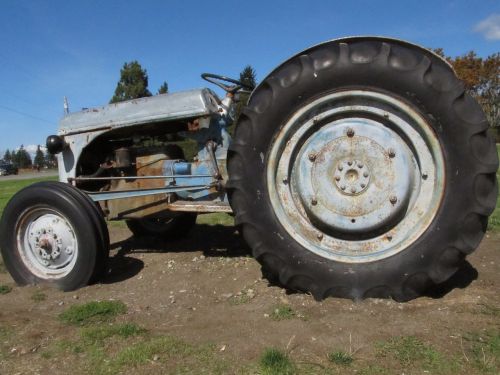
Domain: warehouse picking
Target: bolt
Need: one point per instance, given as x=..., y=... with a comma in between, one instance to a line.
x=312, y=156
x=353, y=189
x=349, y=163
x=389, y=237
x=350, y=132
x=386, y=115
x=424, y=176
x=69, y=250
x=362, y=186
x=343, y=187
x=393, y=199
x=391, y=153
x=365, y=174
x=285, y=181
x=320, y=236
x=314, y=201
x=360, y=165
x=340, y=168
x=337, y=178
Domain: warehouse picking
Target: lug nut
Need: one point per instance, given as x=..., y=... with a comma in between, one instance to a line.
x=391, y=153
x=362, y=186
x=314, y=201
x=340, y=168
x=393, y=199
x=349, y=163
x=353, y=189
x=337, y=178
x=312, y=156
x=365, y=174
x=350, y=132
x=343, y=187
x=320, y=236
x=360, y=165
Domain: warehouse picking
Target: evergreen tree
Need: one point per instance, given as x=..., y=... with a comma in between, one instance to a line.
x=133, y=83
x=7, y=156
x=22, y=158
x=163, y=88
x=248, y=76
x=39, y=159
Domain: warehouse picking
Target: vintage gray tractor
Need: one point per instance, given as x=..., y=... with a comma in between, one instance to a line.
x=359, y=168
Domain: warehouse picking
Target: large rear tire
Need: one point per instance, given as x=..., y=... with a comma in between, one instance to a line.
x=52, y=234
x=361, y=168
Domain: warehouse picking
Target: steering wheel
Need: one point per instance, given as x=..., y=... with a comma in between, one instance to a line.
x=216, y=80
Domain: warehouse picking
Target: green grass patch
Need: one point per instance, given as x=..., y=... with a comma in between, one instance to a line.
x=340, y=357
x=411, y=352
x=38, y=296
x=215, y=219
x=275, y=362
x=10, y=187
x=5, y=289
x=483, y=351
x=282, y=312
x=100, y=333
x=93, y=312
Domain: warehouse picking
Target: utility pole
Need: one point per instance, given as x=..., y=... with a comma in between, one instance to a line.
x=66, y=106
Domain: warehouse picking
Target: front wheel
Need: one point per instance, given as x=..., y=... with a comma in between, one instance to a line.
x=49, y=234
x=361, y=169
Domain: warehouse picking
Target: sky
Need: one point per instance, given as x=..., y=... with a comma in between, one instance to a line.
x=51, y=49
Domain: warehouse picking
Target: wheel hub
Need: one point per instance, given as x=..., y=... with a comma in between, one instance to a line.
x=351, y=177
x=47, y=243
x=356, y=175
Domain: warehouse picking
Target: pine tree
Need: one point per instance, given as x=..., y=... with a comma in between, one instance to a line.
x=133, y=83
x=39, y=159
x=7, y=157
x=248, y=76
x=163, y=88
x=22, y=158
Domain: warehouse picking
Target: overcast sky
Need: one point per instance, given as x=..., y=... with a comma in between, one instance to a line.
x=51, y=49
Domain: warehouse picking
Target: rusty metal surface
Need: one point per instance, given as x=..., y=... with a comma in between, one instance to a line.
x=321, y=147
x=158, y=108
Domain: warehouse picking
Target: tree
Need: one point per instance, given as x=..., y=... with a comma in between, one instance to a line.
x=7, y=156
x=133, y=83
x=247, y=76
x=481, y=77
x=22, y=159
x=163, y=88
x=39, y=158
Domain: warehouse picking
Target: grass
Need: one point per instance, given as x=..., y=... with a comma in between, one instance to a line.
x=275, y=362
x=10, y=187
x=93, y=312
x=340, y=358
x=215, y=219
x=38, y=296
x=98, y=333
x=5, y=289
x=282, y=312
x=411, y=352
x=482, y=350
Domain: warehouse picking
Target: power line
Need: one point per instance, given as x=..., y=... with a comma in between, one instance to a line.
x=26, y=114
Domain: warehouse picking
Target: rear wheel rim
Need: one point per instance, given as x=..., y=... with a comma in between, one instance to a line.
x=46, y=243
x=356, y=176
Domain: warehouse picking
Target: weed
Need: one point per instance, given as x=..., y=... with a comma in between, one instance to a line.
x=5, y=289
x=275, y=362
x=340, y=358
x=484, y=351
x=38, y=296
x=373, y=370
x=239, y=300
x=410, y=351
x=100, y=333
x=93, y=312
x=282, y=312
x=494, y=220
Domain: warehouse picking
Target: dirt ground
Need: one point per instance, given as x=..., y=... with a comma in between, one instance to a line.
x=207, y=290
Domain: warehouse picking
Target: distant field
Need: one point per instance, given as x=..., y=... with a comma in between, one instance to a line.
x=10, y=187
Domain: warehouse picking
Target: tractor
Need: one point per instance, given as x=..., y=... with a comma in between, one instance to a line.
x=359, y=168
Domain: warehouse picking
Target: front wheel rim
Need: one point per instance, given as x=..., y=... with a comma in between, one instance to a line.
x=356, y=176
x=46, y=243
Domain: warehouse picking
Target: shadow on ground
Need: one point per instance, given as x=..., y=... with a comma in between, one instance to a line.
x=212, y=240
x=225, y=241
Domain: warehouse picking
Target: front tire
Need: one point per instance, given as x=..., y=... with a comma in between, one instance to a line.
x=50, y=235
x=361, y=168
